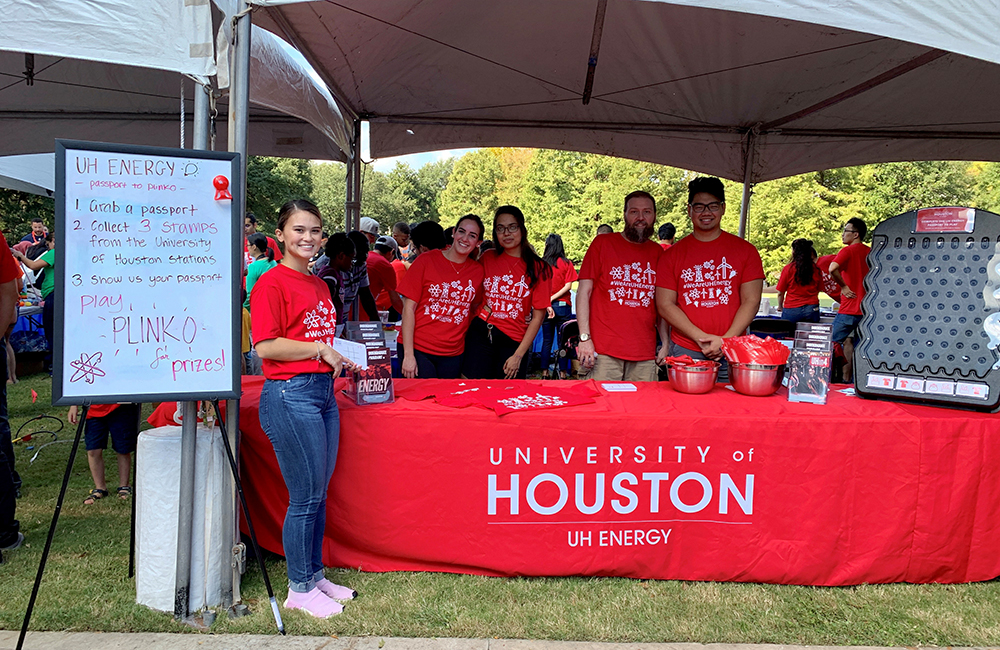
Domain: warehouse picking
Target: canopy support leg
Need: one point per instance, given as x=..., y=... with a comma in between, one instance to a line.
x=239, y=119
x=749, y=154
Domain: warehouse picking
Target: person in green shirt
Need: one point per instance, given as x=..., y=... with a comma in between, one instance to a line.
x=45, y=262
x=263, y=262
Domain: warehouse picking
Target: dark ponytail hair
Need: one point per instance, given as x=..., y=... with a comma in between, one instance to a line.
x=802, y=258
x=554, y=250
x=536, y=268
x=259, y=242
x=294, y=206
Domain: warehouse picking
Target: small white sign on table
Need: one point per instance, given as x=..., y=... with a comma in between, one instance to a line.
x=147, y=274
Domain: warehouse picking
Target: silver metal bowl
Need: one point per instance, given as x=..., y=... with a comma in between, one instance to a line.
x=692, y=379
x=755, y=379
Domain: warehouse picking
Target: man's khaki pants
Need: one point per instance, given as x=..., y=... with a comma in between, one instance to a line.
x=608, y=368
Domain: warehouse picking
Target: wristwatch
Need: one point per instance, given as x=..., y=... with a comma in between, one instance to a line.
x=584, y=337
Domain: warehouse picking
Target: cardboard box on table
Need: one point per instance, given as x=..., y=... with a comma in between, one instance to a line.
x=371, y=385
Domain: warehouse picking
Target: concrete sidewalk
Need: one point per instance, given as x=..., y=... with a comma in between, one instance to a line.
x=163, y=641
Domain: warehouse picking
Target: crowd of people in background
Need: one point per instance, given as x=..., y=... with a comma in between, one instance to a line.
x=470, y=298
x=467, y=306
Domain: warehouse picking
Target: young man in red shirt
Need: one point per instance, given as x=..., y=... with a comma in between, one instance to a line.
x=382, y=275
x=615, y=301
x=708, y=284
x=848, y=270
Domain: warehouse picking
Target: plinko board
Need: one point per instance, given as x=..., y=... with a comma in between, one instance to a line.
x=147, y=275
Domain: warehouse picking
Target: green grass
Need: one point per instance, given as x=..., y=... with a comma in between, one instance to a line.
x=86, y=588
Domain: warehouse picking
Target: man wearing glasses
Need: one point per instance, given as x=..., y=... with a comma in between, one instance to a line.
x=848, y=270
x=615, y=303
x=708, y=284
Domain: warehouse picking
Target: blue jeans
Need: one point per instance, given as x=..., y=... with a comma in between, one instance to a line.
x=300, y=418
x=803, y=314
x=550, y=328
x=844, y=325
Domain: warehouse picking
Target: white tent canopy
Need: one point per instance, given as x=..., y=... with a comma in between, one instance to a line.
x=33, y=173
x=133, y=97
x=684, y=84
x=173, y=36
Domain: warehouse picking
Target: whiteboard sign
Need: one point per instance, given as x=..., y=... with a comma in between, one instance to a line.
x=148, y=274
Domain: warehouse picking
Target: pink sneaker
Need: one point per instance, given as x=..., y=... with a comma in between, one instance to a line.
x=335, y=591
x=313, y=602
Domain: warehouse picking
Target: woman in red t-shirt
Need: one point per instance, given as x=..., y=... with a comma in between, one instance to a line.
x=800, y=284
x=294, y=324
x=440, y=291
x=517, y=291
x=563, y=277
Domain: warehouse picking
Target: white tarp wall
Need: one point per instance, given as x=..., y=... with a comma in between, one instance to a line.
x=970, y=27
x=132, y=96
x=170, y=35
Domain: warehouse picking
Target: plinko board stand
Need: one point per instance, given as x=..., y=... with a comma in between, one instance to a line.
x=146, y=298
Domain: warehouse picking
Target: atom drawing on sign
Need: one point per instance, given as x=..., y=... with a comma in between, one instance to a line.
x=87, y=367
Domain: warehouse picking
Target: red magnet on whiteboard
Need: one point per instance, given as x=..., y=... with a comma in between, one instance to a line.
x=221, y=184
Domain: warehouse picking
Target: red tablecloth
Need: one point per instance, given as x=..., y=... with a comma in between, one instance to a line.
x=655, y=484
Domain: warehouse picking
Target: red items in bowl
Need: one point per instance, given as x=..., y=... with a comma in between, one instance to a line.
x=753, y=349
x=685, y=361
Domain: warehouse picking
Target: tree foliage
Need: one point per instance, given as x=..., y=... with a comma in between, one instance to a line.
x=17, y=209
x=272, y=182
x=473, y=186
x=571, y=193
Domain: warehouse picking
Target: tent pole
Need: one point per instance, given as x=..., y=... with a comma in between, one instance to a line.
x=189, y=426
x=352, y=206
x=239, y=119
x=748, y=161
x=185, y=511
x=202, y=140
x=202, y=116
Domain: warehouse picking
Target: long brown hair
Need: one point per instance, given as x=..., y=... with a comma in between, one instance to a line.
x=535, y=266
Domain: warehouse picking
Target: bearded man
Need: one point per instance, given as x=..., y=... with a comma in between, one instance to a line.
x=708, y=284
x=616, y=299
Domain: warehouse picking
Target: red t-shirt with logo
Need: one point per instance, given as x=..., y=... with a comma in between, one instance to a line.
x=830, y=286
x=562, y=273
x=622, y=304
x=707, y=278
x=853, y=263
x=292, y=305
x=797, y=295
x=381, y=277
x=444, y=293
x=509, y=300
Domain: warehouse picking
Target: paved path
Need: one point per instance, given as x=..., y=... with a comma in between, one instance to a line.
x=164, y=641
